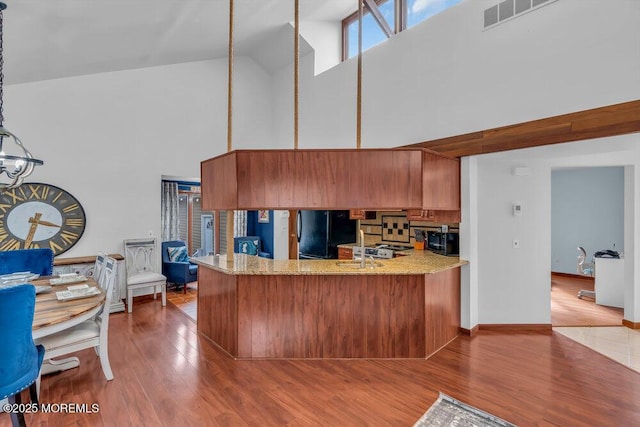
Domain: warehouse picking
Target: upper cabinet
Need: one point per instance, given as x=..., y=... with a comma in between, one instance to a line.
x=361, y=214
x=440, y=182
x=367, y=179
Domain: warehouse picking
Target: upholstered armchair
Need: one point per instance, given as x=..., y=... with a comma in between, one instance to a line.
x=176, y=265
x=37, y=261
x=250, y=245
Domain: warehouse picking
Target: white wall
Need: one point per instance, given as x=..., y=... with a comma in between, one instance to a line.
x=447, y=77
x=587, y=209
x=513, y=283
x=469, y=241
x=108, y=138
x=326, y=39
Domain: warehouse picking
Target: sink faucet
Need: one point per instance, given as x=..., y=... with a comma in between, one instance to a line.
x=373, y=261
x=363, y=259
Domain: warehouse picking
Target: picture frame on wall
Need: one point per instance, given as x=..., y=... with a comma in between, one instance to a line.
x=263, y=216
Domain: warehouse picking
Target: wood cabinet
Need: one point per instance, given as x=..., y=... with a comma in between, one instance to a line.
x=361, y=214
x=345, y=253
x=433, y=215
x=440, y=182
x=359, y=180
x=337, y=316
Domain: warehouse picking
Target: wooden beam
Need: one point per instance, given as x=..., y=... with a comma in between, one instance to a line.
x=375, y=12
x=610, y=120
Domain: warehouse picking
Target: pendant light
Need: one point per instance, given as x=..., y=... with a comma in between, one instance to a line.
x=19, y=165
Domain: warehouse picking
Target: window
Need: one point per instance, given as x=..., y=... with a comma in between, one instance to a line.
x=191, y=222
x=383, y=18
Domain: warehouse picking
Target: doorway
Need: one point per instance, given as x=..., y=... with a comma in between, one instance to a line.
x=587, y=210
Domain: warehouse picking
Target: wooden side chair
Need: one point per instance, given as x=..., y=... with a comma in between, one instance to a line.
x=141, y=261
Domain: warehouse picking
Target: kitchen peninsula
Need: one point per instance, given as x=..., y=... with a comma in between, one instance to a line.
x=406, y=307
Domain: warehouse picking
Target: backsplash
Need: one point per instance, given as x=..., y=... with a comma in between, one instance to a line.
x=394, y=227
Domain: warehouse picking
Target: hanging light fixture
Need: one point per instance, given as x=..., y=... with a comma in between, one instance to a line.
x=15, y=166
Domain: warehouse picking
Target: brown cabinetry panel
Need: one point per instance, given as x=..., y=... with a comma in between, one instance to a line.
x=361, y=214
x=313, y=179
x=345, y=253
x=440, y=182
x=264, y=179
x=219, y=182
x=329, y=316
x=442, y=308
x=433, y=215
x=350, y=316
x=217, y=314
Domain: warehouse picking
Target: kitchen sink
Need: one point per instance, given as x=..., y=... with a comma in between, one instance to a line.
x=356, y=264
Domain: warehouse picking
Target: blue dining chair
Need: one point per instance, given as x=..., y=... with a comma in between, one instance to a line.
x=38, y=261
x=20, y=358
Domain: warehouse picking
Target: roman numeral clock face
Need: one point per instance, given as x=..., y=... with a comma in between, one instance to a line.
x=37, y=215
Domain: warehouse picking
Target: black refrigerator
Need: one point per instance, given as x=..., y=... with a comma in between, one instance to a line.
x=320, y=232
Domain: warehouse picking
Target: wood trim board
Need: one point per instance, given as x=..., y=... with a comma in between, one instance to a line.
x=610, y=120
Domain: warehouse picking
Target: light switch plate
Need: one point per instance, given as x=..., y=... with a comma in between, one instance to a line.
x=517, y=208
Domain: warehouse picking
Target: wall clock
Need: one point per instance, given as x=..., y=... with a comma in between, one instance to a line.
x=36, y=215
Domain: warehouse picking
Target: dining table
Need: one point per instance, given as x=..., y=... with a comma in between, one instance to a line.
x=54, y=314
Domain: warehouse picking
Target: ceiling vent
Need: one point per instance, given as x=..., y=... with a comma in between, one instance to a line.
x=509, y=9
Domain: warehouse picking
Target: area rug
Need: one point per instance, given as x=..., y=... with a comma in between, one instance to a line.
x=447, y=411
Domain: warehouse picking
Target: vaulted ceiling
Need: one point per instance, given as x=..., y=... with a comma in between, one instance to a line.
x=47, y=39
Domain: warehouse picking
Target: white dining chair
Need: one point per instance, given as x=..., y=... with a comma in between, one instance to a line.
x=142, y=269
x=98, y=267
x=90, y=333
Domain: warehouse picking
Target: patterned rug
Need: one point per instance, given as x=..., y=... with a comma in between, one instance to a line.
x=447, y=411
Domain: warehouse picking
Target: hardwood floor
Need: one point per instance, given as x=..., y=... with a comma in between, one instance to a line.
x=166, y=374
x=569, y=310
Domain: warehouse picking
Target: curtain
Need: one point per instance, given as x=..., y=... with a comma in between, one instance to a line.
x=170, y=221
x=240, y=223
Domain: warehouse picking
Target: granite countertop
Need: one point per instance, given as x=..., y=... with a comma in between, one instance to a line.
x=416, y=262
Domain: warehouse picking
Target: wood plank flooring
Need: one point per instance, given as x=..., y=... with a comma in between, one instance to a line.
x=569, y=310
x=166, y=374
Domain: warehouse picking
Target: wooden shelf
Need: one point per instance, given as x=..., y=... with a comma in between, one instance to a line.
x=82, y=259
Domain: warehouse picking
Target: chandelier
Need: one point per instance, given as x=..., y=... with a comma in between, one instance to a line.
x=20, y=164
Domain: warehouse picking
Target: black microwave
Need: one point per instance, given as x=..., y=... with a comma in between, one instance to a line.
x=447, y=244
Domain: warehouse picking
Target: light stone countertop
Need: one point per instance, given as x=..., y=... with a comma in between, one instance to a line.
x=416, y=262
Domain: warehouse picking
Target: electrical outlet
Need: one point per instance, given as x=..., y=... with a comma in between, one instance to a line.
x=368, y=229
x=515, y=244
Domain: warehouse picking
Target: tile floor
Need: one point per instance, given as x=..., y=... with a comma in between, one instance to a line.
x=186, y=302
x=618, y=343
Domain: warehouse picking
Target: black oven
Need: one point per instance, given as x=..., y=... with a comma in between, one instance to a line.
x=443, y=243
